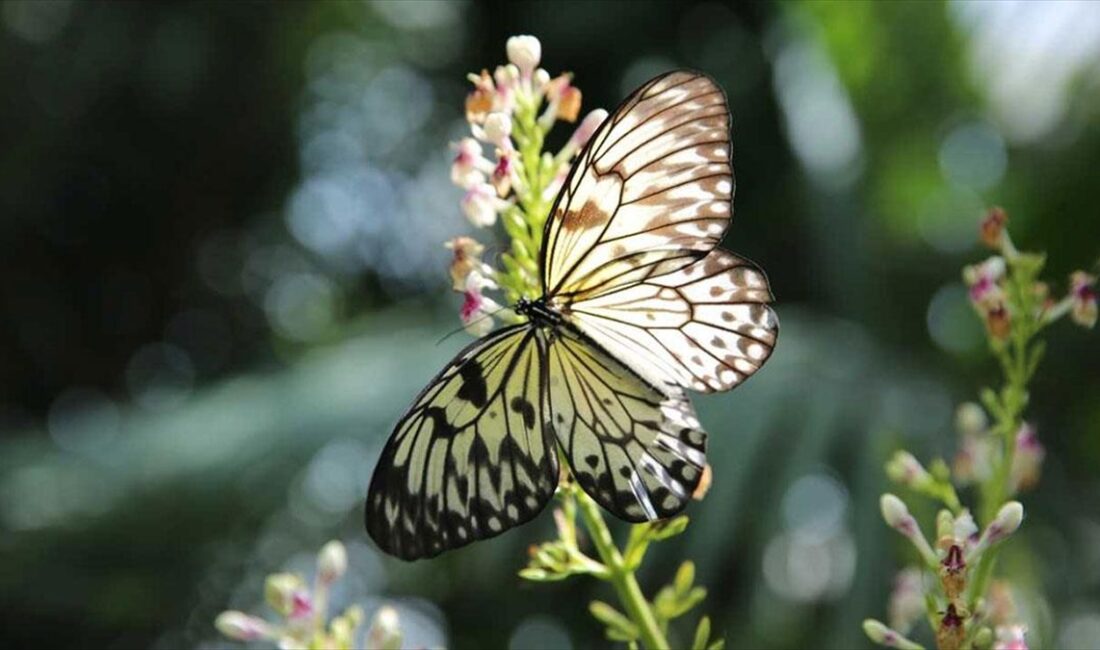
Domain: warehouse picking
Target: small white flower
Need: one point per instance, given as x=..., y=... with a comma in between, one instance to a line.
x=480, y=204
x=469, y=166
x=332, y=562
x=498, y=130
x=965, y=530
x=385, y=630
x=524, y=52
x=906, y=599
x=970, y=418
x=477, y=309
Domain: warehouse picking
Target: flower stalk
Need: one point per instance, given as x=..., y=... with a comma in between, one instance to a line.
x=1000, y=454
x=510, y=112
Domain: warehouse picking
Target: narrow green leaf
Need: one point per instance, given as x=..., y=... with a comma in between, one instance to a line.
x=665, y=529
x=613, y=619
x=702, y=634
x=685, y=576
x=720, y=644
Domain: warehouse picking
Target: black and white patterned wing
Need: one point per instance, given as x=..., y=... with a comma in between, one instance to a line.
x=707, y=326
x=472, y=456
x=649, y=194
x=636, y=449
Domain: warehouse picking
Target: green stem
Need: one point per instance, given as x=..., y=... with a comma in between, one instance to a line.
x=622, y=577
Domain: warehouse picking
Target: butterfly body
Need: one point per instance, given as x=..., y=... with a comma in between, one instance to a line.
x=638, y=306
x=539, y=312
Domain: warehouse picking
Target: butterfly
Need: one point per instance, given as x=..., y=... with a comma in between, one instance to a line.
x=638, y=306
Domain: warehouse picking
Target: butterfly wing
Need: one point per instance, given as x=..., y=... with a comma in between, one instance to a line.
x=637, y=449
x=472, y=457
x=706, y=326
x=649, y=194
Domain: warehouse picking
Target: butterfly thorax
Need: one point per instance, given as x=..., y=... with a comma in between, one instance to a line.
x=539, y=312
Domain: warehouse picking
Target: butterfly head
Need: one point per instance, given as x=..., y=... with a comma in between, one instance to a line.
x=538, y=312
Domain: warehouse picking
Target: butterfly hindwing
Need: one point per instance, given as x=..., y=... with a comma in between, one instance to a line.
x=635, y=448
x=706, y=326
x=649, y=194
x=471, y=458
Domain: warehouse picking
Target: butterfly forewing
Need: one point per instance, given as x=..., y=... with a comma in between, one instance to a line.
x=471, y=458
x=650, y=193
x=637, y=449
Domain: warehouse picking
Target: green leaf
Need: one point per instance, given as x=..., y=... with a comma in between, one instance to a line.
x=685, y=576
x=615, y=621
x=717, y=645
x=991, y=403
x=702, y=633
x=667, y=528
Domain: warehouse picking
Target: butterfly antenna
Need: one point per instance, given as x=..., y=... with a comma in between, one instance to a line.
x=459, y=329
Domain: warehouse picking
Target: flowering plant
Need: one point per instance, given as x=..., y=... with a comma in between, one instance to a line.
x=303, y=611
x=999, y=454
x=511, y=111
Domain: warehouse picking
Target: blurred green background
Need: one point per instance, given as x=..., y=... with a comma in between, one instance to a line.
x=223, y=279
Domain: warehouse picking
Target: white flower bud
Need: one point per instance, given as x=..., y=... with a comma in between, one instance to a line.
x=385, y=630
x=498, y=130
x=541, y=78
x=897, y=517
x=241, y=627
x=877, y=632
x=286, y=593
x=905, y=469
x=1008, y=521
x=332, y=562
x=970, y=418
x=525, y=52
x=479, y=204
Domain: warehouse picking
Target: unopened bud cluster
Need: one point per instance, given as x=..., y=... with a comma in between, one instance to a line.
x=302, y=607
x=506, y=176
x=999, y=453
x=1006, y=292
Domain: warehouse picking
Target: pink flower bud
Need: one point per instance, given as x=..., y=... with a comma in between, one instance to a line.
x=465, y=260
x=993, y=227
x=983, y=280
x=469, y=165
x=477, y=309
x=1083, y=296
x=1027, y=462
x=587, y=127
x=1011, y=637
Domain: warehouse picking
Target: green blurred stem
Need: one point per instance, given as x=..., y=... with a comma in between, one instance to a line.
x=622, y=577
